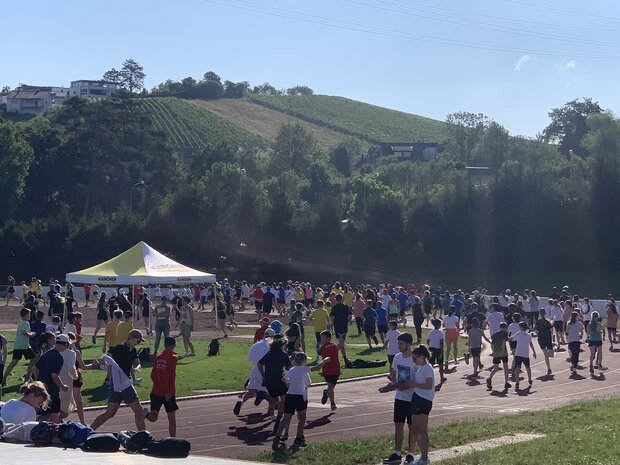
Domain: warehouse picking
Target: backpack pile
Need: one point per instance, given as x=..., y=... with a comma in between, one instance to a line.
x=142, y=442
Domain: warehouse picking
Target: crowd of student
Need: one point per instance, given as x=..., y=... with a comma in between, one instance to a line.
x=280, y=372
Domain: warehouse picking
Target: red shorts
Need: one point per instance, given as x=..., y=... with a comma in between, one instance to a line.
x=452, y=334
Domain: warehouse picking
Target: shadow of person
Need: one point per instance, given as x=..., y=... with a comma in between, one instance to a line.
x=321, y=421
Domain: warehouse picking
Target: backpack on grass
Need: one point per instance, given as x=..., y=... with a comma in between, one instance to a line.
x=101, y=442
x=214, y=347
x=73, y=433
x=169, y=447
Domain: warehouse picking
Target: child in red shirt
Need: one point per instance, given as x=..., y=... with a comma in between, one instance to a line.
x=331, y=369
x=163, y=393
x=259, y=335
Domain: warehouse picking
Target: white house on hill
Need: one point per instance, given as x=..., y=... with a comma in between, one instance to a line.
x=93, y=89
x=29, y=100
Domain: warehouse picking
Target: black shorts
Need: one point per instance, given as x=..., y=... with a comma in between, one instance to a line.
x=276, y=389
x=295, y=403
x=611, y=329
x=102, y=316
x=428, y=310
x=221, y=315
x=498, y=360
x=158, y=401
x=369, y=331
x=558, y=325
x=545, y=344
x=331, y=379
x=28, y=354
x=420, y=405
x=79, y=382
x=595, y=343
x=382, y=329
x=475, y=351
x=54, y=404
x=145, y=313
x=436, y=356
x=522, y=361
x=341, y=334
x=402, y=411
x=512, y=344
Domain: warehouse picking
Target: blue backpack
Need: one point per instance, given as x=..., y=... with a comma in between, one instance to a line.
x=73, y=433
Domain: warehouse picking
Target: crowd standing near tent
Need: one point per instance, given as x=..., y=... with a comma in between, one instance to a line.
x=506, y=325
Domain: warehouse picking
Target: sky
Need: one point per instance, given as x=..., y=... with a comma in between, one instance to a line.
x=512, y=60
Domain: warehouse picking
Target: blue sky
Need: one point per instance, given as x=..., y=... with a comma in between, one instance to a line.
x=513, y=60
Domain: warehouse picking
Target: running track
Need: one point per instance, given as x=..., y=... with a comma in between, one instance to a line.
x=363, y=411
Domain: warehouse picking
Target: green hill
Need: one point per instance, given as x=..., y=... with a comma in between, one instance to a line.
x=189, y=126
x=375, y=124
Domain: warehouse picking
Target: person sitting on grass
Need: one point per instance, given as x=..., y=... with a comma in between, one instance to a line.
x=296, y=399
x=163, y=375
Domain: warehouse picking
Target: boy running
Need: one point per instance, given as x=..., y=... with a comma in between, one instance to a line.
x=435, y=342
x=370, y=323
x=476, y=335
x=545, y=339
x=522, y=353
x=21, y=346
x=500, y=355
x=331, y=369
x=163, y=393
x=296, y=400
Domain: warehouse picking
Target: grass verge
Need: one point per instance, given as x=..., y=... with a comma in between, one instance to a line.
x=584, y=432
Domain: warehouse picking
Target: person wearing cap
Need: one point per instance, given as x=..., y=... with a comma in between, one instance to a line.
x=47, y=370
x=271, y=367
x=260, y=332
x=254, y=387
x=296, y=400
x=124, y=357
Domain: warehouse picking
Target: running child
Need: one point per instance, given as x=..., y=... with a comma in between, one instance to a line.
x=522, y=353
x=544, y=328
x=500, y=355
x=612, y=324
x=296, y=399
x=595, y=341
x=331, y=369
x=21, y=346
x=476, y=335
x=382, y=321
x=163, y=392
x=451, y=325
x=435, y=341
x=271, y=367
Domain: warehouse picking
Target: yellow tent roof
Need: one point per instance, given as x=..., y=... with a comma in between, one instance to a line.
x=142, y=265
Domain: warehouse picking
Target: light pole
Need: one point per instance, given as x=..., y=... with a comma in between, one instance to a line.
x=139, y=183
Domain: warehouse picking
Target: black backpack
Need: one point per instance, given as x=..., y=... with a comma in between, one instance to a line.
x=44, y=433
x=214, y=347
x=137, y=442
x=145, y=354
x=169, y=447
x=101, y=442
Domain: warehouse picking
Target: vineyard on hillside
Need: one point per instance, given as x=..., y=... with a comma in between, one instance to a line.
x=370, y=122
x=189, y=127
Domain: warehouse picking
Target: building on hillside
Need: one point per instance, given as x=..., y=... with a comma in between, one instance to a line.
x=29, y=100
x=412, y=151
x=93, y=89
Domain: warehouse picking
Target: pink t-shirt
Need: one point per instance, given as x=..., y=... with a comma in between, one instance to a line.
x=358, y=308
x=612, y=319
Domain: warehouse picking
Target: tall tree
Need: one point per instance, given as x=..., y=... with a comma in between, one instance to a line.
x=114, y=76
x=15, y=159
x=133, y=76
x=465, y=130
x=569, y=125
x=212, y=76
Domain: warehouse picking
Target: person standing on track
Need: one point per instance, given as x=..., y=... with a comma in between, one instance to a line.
x=422, y=401
x=402, y=371
x=545, y=340
x=341, y=316
x=574, y=333
x=595, y=341
x=436, y=341
x=451, y=325
x=522, y=353
x=370, y=324
x=476, y=334
x=612, y=323
x=500, y=355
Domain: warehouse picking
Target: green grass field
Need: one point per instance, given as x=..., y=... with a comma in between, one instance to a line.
x=373, y=123
x=202, y=374
x=577, y=434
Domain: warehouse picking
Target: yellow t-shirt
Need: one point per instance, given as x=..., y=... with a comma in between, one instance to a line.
x=123, y=331
x=347, y=299
x=299, y=295
x=110, y=332
x=320, y=316
x=36, y=287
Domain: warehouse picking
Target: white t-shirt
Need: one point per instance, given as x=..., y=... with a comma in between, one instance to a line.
x=523, y=339
x=15, y=411
x=495, y=319
x=450, y=322
x=435, y=336
x=385, y=300
x=586, y=312
x=556, y=313
x=392, y=341
x=503, y=300
x=420, y=376
x=513, y=328
x=298, y=379
x=69, y=328
x=258, y=351
x=245, y=291
x=574, y=330
x=526, y=305
x=405, y=369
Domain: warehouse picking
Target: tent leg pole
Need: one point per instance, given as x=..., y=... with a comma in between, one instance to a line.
x=150, y=329
x=217, y=325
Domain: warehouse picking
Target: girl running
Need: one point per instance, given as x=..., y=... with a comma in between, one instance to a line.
x=612, y=323
x=595, y=338
x=103, y=314
x=574, y=333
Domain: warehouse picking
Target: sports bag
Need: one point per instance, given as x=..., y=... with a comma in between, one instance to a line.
x=73, y=433
x=44, y=433
x=169, y=447
x=214, y=347
x=359, y=363
x=101, y=442
x=137, y=442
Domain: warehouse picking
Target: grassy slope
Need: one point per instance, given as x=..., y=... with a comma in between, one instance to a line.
x=265, y=122
x=576, y=434
x=373, y=123
x=189, y=126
